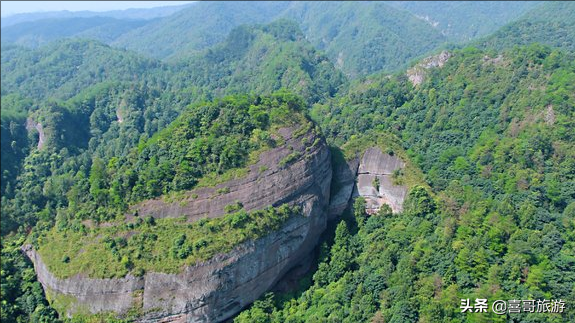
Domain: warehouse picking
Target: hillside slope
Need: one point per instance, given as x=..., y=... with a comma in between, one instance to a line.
x=552, y=24
x=36, y=33
x=462, y=21
x=493, y=134
x=202, y=25
x=230, y=240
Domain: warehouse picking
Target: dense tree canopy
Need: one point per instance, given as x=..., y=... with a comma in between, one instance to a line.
x=88, y=129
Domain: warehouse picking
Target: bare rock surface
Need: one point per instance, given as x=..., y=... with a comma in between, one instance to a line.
x=30, y=125
x=416, y=74
x=268, y=183
x=217, y=289
x=376, y=164
x=343, y=186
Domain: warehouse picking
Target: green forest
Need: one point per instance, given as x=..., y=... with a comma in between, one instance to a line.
x=98, y=116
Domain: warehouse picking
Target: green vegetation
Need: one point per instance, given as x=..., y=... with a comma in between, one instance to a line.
x=365, y=37
x=22, y=294
x=487, y=139
x=198, y=27
x=36, y=33
x=208, y=142
x=162, y=245
x=14, y=143
x=495, y=141
x=64, y=68
x=462, y=21
x=552, y=24
x=263, y=59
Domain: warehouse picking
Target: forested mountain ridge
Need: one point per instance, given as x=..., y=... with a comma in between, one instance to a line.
x=359, y=38
x=143, y=95
x=128, y=14
x=552, y=24
x=463, y=21
x=262, y=59
x=34, y=34
x=92, y=150
x=200, y=26
x=362, y=38
x=493, y=133
x=62, y=69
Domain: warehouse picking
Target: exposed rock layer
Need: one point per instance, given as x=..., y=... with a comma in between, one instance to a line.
x=217, y=289
x=375, y=181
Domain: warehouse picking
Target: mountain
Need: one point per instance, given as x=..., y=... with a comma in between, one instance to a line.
x=359, y=38
x=128, y=14
x=71, y=106
x=62, y=69
x=263, y=59
x=276, y=199
x=36, y=33
x=116, y=96
x=249, y=179
x=551, y=24
x=362, y=38
x=493, y=134
x=462, y=21
x=195, y=28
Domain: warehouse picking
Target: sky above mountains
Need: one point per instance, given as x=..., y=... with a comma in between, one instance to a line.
x=14, y=7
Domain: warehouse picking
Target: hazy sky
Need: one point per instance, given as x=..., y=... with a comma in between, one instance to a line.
x=13, y=7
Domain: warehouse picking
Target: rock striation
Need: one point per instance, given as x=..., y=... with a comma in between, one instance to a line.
x=375, y=183
x=297, y=173
x=357, y=177
x=267, y=183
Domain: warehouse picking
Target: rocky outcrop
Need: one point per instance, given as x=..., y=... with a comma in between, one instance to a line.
x=375, y=183
x=297, y=173
x=357, y=177
x=416, y=74
x=269, y=182
x=343, y=185
x=32, y=125
x=91, y=295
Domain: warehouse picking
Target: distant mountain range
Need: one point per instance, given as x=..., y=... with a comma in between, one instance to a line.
x=359, y=38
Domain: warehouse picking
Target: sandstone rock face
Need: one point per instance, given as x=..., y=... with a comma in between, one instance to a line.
x=92, y=294
x=219, y=288
x=375, y=164
x=416, y=74
x=344, y=184
x=267, y=183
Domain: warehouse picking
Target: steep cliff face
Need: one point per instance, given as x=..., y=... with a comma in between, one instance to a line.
x=297, y=173
x=344, y=176
x=370, y=175
x=375, y=181
x=31, y=125
x=273, y=180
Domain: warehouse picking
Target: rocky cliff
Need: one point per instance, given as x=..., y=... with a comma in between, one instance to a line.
x=416, y=74
x=297, y=173
x=375, y=181
x=370, y=175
